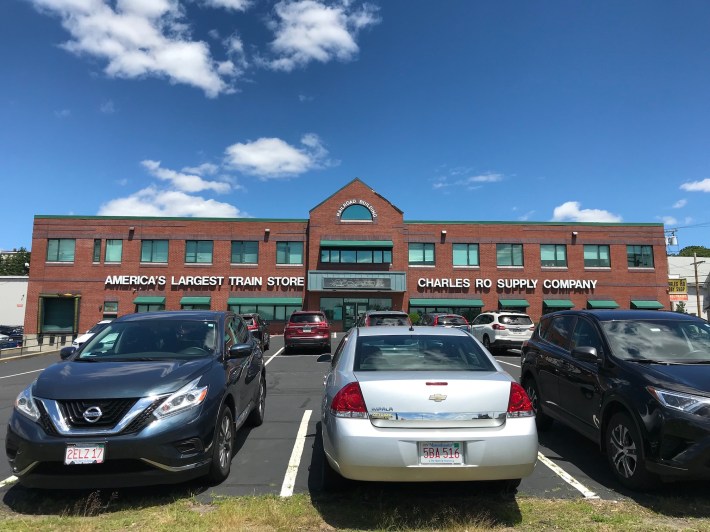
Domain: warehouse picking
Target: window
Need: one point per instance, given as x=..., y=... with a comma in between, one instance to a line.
x=596, y=256
x=60, y=249
x=110, y=309
x=198, y=251
x=509, y=254
x=466, y=255
x=420, y=253
x=639, y=256
x=356, y=212
x=289, y=253
x=585, y=335
x=97, y=250
x=245, y=252
x=360, y=256
x=114, y=248
x=560, y=331
x=145, y=307
x=553, y=255
x=154, y=251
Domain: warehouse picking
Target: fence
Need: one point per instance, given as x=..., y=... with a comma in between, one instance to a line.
x=43, y=343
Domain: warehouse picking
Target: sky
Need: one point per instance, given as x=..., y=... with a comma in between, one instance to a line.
x=557, y=110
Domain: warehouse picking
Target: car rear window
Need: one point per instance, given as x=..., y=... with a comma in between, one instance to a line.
x=420, y=353
x=452, y=320
x=306, y=318
x=515, y=320
x=249, y=320
x=389, y=319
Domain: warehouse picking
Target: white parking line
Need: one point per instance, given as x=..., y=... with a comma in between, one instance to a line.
x=292, y=470
x=18, y=374
x=569, y=479
x=274, y=356
x=507, y=363
x=8, y=480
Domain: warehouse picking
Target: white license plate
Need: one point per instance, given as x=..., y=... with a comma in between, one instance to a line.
x=306, y=329
x=84, y=453
x=441, y=453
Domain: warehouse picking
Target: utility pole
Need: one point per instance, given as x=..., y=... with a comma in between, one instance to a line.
x=697, y=284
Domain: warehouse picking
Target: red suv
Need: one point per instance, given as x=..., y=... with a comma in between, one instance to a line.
x=307, y=328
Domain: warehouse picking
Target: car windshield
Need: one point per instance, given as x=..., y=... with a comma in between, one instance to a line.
x=306, y=318
x=515, y=320
x=420, y=353
x=666, y=340
x=152, y=339
x=98, y=327
x=452, y=320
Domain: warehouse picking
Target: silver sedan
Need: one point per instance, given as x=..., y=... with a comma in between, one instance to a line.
x=423, y=404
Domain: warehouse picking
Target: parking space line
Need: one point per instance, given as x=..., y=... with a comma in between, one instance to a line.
x=274, y=356
x=8, y=480
x=23, y=373
x=507, y=363
x=569, y=479
x=292, y=470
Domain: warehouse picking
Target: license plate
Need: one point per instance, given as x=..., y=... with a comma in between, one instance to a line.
x=441, y=453
x=84, y=453
x=306, y=329
x=517, y=331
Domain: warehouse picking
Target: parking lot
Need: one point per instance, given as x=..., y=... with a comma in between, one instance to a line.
x=282, y=457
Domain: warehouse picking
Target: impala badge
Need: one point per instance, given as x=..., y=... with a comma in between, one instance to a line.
x=437, y=397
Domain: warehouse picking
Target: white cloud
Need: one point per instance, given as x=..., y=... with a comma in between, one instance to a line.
x=203, y=169
x=308, y=30
x=668, y=220
x=235, y=5
x=680, y=204
x=570, y=212
x=483, y=178
x=272, y=157
x=697, y=186
x=152, y=201
x=138, y=38
x=184, y=182
x=472, y=182
x=62, y=113
x=525, y=217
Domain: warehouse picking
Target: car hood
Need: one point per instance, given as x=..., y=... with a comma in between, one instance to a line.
x=112, y=380
x=689, y=378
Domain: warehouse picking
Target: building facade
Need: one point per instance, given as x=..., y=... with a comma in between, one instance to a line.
x=689, y=284
x=354, y=252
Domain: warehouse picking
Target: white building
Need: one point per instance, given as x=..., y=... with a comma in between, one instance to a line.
x=13, y=299
x=684, y=268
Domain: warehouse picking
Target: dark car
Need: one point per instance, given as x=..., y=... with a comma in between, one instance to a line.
x=444, y=319
x=153, y=398
x=307, y=328
x=9, y=344
x=636, y=382
x=373, y=318
x=259, y=328
x=13, y=332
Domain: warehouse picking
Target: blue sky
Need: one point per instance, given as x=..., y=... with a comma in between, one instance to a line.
x=453, y=110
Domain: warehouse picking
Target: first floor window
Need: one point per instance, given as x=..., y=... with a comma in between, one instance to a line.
x=60, y=249
x=110, y=309
x=552, y=255
x=596, y=256
x=509, y=254
x=198, y=251
x=465, y=254
x=421, y=253
x=639, y=256
x=289, y=253
x=114, y=248
x=154, y=251
x=245, y=252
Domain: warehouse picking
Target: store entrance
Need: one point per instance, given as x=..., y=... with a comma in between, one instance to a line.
x=353, y=308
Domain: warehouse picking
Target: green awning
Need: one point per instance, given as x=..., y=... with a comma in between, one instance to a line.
x=149, y=300
x=356, y=244
x=194, y=300
x=558, y=303
x=510, y=303
x=436, y=302
x=602, y=303
x=646, y=305
x=265, y=301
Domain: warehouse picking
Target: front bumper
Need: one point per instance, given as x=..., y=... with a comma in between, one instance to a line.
x=168, y=451
x=680, y=448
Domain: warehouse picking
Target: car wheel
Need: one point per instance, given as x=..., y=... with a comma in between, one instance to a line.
x=507, y=487
x=222, y=446
x=256, y=416
x=624, y=450
x=268, y=343
x=487, y=343
x=541, y=420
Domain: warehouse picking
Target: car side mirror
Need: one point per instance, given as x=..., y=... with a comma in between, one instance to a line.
x=66, y=352
x=586, y=354
x=240, y=351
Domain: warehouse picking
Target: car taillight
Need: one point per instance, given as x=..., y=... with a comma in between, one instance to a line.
x=519, y=404
x=349, y=402
x=498, y=327
x=531, y=328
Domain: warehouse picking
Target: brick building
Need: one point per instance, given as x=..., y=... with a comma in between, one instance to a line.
x=354, y=252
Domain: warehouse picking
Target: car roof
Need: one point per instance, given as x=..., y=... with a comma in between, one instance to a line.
x=375, y=312
x=307, y=312
x=624, y=314
x=398, y=330
x=175, y=315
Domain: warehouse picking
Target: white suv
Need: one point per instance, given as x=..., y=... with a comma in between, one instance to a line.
x=502, y=330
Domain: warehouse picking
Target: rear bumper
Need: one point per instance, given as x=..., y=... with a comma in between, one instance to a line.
x=307, y=341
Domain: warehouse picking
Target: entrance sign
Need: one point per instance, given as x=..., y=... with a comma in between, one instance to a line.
x=357, y=283
x=362, y=202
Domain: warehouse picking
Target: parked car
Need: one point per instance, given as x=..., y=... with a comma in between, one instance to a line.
x=259, y=327
x=100, y=326
x=307, y=328
x=383, y=317
x=423, y=404
x=137, y=405
x=443, y=319
x=498, y=330
x=635, y=382
x=12, y=332
x=9, y=344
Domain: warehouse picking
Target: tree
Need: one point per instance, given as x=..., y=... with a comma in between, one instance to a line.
x=14, y=263
x=680, y=307
x=700, y=251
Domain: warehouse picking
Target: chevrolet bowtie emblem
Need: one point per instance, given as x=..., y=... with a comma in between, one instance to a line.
x=437, y=397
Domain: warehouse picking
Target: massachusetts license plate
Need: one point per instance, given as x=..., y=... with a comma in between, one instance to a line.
x=84, y=453
x=441, y=453
x=306, y=329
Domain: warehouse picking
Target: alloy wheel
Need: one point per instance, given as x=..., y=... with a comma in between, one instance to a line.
x=624, y=455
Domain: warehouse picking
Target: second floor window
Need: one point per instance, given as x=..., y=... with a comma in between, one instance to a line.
x=289, y=252
x=360, y=256
x=154, y=251
x=509, y=254
x=421, y=253
x=596, y=256
x=465, y=254
x=97, y=250
x=552, y=255
x=245, y=252
x=60, y=249
x=114, y=249
x=639, y=256
x=198, y=251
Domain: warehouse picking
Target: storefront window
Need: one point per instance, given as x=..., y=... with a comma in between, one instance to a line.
x=149, y=308
x=57, y=314
x=110, y=309
x=154, y=251
x=60, y=249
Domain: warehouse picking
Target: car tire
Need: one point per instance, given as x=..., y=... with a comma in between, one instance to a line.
x=542, y=421
x=487, y=344
x=624, y=451
x=256, y=416
x=507, y=487
x=268, y=343
x=222, y=446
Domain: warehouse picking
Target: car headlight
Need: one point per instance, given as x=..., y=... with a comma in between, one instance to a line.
x=25, y=404
x=691, y=404
x=188, y=396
